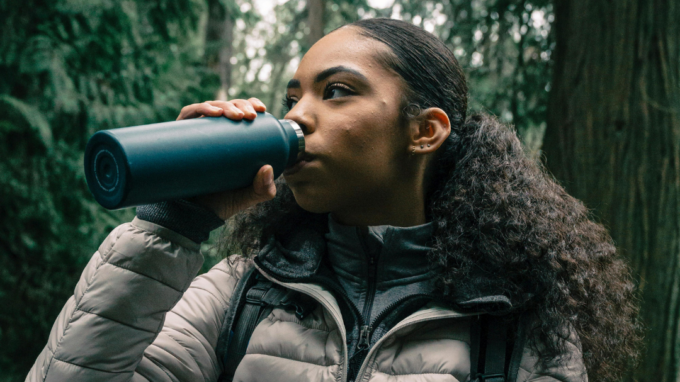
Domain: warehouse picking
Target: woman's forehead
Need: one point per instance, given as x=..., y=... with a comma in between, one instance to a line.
x=345, y=47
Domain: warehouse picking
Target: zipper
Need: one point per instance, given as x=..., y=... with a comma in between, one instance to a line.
x=369, y=328
x=365, y=335
x=406, y=322
x=337, y=317
x=366, y=330
x=310, y=291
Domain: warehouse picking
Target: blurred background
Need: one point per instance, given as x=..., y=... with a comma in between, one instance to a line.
x=592, y=88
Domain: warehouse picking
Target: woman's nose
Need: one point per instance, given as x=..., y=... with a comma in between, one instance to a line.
x=302, y=115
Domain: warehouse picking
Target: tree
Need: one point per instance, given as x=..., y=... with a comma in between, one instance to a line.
x=219, y=42
x=315, y=18
x=613, y=140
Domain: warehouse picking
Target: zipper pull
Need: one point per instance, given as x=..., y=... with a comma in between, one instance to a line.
x=365, y=337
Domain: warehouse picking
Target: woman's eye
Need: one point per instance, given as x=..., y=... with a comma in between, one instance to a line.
x=289, y=103
x=336, y=91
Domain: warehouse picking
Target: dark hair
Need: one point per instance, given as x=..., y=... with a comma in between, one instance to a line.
x=502, y=225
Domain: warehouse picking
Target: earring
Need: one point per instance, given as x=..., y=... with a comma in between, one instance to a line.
x=428, y=145
x=414, y=151
x=421, y=146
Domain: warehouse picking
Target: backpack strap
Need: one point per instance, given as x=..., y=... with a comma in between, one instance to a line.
x=235, y=305
x=254, y=299
x=517, y=352
x=254, y=311
x=488, y=341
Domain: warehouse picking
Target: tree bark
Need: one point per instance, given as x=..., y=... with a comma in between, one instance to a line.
x=613, y=140
x=219, y=47
x=315, y=19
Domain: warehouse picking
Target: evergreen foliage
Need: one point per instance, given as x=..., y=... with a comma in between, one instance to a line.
x=70, y=68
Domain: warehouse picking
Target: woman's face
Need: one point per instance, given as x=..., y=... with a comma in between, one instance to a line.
x=348, y=105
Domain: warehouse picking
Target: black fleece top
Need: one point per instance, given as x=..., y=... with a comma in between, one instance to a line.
x=378, y=265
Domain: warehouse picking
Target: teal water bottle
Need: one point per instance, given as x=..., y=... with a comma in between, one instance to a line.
x=172, y=160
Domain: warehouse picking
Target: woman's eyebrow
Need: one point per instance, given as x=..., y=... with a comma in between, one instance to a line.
x=337, y=69
x=295, y=84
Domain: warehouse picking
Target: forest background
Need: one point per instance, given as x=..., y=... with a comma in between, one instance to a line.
x=592, y=88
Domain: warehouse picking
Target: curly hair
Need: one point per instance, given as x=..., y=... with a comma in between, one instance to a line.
x=502, y=224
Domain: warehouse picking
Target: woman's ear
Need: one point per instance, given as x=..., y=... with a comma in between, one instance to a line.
x=430, y=130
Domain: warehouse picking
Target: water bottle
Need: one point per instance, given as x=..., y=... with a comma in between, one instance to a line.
x=172, y=160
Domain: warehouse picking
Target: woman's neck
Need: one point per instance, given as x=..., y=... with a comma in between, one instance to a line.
x=399, y=204
x=406, y=213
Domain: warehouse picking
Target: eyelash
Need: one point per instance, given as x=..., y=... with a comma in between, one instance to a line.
x=340, y=85
x=288, y=101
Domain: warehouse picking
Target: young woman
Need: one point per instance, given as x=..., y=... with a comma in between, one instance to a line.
x=403, y=224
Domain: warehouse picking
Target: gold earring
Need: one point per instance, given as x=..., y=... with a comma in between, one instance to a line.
x=414, y=151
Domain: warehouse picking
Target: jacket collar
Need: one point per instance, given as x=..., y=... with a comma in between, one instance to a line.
x=293, y=258
x=399, y=254
x=300, y=256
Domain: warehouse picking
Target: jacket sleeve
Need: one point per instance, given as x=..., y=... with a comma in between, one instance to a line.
x=119, y=326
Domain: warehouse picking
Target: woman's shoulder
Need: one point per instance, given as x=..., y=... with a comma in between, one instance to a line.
x=223, y=277
x=569, y=365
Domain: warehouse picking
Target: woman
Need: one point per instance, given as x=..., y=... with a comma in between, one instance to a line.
x=403, y=223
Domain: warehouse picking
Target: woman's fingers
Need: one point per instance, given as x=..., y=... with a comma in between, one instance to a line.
x=257, y=105
x=232, y=112
x=246, y=107
x=235, y=109
x=200, y=109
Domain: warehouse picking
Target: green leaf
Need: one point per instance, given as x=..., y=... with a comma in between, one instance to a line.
x=26, y=117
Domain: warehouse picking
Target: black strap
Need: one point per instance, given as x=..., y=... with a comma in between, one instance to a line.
x=251, y=315
x=517, y=351
x=475, y=346
x=488, y=339
x=236, y=303
x=261, y=297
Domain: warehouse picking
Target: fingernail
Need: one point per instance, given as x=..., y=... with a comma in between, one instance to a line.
x=215, y=108
x=270, y=178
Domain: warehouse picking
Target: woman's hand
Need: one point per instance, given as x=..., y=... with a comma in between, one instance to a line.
x=235, y=109
x=228, y=203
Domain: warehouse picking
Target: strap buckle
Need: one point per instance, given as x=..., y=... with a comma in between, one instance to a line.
x=256, y=293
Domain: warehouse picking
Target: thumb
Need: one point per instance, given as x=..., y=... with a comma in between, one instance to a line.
x=262, y=189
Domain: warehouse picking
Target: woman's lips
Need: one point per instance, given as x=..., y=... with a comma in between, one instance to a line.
x=297, y=166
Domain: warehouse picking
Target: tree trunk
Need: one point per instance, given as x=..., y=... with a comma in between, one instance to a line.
x=219, y=47
x=613, y=140
x=315, y=19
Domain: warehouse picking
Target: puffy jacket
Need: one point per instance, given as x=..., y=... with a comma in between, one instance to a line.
x=136, y=315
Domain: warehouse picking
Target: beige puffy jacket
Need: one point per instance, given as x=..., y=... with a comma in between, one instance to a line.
x=136, y=315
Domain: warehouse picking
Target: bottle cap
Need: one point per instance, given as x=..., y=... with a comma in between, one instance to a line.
x=300, y=135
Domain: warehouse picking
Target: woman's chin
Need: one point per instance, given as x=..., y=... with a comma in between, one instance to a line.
x=314, y=207
x=310, y=201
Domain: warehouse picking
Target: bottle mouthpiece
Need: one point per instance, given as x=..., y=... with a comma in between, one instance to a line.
x=300, y=135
